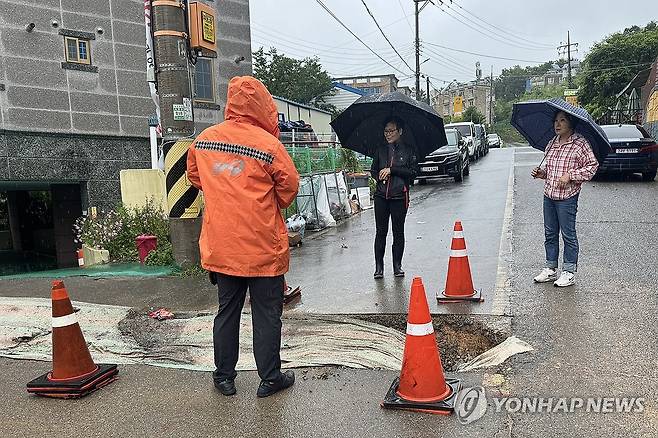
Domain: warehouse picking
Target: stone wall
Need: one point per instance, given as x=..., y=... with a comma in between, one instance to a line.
x=94, y=162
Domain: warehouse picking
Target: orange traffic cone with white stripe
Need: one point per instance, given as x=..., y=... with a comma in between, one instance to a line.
x=74, y=372
x=422, y=385
x=459, y=284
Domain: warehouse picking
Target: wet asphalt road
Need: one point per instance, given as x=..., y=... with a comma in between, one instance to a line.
x=335, y=269
x=597, y=339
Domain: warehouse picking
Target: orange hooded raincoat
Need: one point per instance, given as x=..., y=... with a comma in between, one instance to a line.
x=247, y=177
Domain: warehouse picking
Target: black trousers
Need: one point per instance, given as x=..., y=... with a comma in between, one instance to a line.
x=266, y=308
x=396, y=209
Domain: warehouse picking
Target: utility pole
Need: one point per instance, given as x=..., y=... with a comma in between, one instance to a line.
x=170, y=49
x=417, y=52
x=491, y=97
x=429, y=101
x=566, y=48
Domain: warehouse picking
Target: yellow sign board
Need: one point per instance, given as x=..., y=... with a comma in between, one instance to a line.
x=208, y=25
x=573, y=100
x=571, y=96
x=458, y=105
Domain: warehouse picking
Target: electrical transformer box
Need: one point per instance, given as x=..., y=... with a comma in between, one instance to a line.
x=203, y=30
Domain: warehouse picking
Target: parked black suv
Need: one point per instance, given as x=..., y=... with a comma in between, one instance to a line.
x=451, y=160
x=633, y=151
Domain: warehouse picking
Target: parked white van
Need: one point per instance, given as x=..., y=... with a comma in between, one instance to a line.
x=467, y=130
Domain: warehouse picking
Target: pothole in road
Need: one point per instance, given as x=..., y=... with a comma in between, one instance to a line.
x=461, y=338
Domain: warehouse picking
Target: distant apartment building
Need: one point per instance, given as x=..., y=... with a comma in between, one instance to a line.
x=555, y=76
x=343, y=95
x=456, y=97
x=75, y=106
x=407, y=91
x=371, y=84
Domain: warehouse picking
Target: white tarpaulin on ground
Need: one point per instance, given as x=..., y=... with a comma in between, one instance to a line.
x=498, y=354
x=313, y=194
x=339, y=202
x=115, y=334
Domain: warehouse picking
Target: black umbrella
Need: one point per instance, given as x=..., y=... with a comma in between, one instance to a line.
x=361, y=126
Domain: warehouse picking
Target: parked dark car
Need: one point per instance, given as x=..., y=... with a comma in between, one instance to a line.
x=633, y=151
x=494, y=141
x=450, y=160
x=481, y=132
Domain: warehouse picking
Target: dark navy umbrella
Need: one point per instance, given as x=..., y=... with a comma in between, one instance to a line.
x=360, y=126
x=534, y=120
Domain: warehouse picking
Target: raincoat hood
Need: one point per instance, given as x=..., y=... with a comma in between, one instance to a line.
x=248, y=101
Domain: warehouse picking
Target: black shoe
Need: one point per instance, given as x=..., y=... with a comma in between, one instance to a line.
x=379, y=270
x=267, y=388
x=397, y=270
x=226, y=387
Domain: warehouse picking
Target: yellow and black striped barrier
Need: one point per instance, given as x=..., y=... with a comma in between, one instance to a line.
x=183, y=199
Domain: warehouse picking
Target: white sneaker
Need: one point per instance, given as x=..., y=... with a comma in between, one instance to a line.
x=566, y=279
x=546, y=275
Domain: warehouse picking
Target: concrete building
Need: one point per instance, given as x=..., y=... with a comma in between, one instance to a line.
x=555, y=76
x=455, y=98
x=407, y=91
x=74, y=105
x=343, y=96
x=371, y=84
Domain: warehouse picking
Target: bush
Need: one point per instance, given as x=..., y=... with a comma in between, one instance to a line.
x=117, y=229
x=163, y=255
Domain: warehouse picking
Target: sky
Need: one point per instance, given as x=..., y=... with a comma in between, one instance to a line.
x=526, y=31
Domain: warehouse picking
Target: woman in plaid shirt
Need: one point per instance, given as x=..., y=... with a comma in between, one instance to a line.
x=569, y=162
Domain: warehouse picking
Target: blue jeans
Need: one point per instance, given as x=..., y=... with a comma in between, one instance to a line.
x=560, y=216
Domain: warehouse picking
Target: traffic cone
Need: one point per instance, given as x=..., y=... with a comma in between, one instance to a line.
x=422, y=385
x=74, y=373
x=459, y=284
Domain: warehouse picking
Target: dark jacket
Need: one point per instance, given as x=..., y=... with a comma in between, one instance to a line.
x=403, y=163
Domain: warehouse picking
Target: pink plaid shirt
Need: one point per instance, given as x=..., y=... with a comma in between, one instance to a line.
x=574, y=157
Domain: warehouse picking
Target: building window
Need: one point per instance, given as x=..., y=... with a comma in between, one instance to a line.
x=203, y=80
x=77, y=50
x=371, y=90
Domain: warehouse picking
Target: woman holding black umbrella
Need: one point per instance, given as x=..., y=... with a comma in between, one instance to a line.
x=570, y=161
x=393, y=168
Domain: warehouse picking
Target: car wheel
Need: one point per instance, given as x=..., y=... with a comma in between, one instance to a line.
x=460, y=176
x=648, y=176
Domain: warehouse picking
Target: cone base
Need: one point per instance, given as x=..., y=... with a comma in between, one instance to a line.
x=443, y=407
x=106, y=373
x=476, y=297
x=290, y=296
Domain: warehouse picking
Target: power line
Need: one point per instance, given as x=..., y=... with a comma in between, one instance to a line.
x=547, y=46
x=588, y=70
x=258, y=38
x=454, y=67
x=384, y=35
x=316, y=46
x=484, y=55
x=455, y=61
x=405, y=16
x=490, y=35
x=355, y=35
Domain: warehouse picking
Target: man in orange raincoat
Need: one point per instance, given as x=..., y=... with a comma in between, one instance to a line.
x=247, y=177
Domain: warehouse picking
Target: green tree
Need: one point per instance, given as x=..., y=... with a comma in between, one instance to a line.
x=612, y=63
x=472, y=114
x=303, y=81
x=511, y=84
